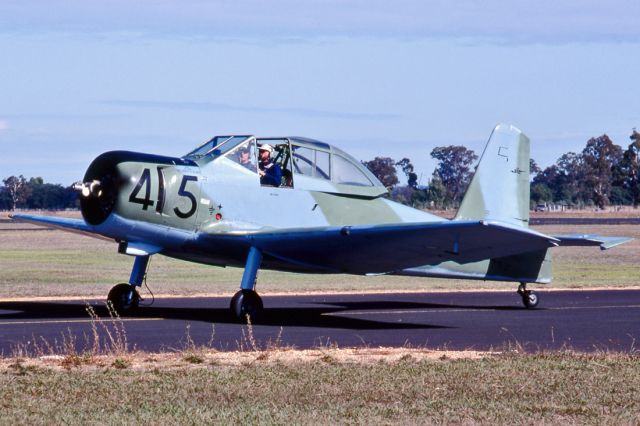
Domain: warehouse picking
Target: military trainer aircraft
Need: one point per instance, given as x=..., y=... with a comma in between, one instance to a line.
x=323, y=212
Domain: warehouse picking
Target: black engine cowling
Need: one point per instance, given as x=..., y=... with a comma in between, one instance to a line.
x=103, y=180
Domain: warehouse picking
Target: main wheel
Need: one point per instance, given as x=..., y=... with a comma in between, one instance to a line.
x=246, y=303
x=124, y=299
x=530, y=299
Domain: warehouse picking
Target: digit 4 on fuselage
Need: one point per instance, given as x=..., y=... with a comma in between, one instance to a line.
x=296, y=204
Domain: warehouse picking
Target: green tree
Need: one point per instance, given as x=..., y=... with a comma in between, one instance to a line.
x=626, y=174
x=407, y=169
x=47, y=195
x=599, y=157
x=384, y=168
x=563, y=179
x=17, y=190
x=534, y=169
x=437, y=195
x=541, y=193
x=5, y=200
x=453, y=171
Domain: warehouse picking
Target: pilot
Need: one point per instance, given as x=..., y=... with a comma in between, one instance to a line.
x=270, y=173
x=244, y=159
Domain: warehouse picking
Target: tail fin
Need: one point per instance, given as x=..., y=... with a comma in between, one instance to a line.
x=499, y=189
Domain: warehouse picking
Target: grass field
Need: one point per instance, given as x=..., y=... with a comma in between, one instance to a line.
x=560, y=388
x=40, y=262
x=278, y=385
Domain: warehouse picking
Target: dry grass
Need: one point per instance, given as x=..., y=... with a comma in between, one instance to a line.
x=108, y=382
x=39, y=262
x=326, y=386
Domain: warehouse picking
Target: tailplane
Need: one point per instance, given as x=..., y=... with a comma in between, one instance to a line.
x=499, y=189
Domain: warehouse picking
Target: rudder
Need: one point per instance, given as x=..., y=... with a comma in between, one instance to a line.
x=499, y=189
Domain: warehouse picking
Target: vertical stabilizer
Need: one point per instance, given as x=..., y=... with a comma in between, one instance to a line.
x=499, y=189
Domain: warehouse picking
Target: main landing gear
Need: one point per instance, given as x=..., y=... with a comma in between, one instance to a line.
x=246, y=305
x=530, y=298
x=124, y=297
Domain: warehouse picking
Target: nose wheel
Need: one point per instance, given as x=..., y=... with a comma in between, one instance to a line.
x=246, y=303
x=530, y=298
x=124, y=299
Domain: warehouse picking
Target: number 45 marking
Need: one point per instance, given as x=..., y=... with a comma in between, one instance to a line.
x=145, y=180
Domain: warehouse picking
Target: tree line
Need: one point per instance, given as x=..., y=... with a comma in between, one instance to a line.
x=602, y=174
x=18, y=192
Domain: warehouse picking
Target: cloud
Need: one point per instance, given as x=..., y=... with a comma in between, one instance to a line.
x=210, y=106
x=517, y=21
x=4, y=126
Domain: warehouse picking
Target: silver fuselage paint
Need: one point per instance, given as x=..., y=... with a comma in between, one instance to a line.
x=178, y=204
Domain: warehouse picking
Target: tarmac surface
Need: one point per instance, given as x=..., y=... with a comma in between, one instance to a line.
x=580, y=320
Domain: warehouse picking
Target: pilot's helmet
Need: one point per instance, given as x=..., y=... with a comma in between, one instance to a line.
x=266, y=147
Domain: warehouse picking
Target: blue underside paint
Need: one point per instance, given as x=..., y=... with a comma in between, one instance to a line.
x=254, y=258
x=364, y=249
x=139, y=270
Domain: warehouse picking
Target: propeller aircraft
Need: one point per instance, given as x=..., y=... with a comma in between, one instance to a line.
x=300, y=205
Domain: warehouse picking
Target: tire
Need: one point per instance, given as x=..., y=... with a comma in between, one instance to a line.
x=246, y=302
x=530, y=299
x=124, y=299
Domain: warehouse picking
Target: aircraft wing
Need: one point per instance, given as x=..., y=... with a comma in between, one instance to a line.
x=64, y=223
x=385, y=248
x=591, y=240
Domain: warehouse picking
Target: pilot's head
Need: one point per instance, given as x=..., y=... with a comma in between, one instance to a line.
x=244, y=155
x=265, y=151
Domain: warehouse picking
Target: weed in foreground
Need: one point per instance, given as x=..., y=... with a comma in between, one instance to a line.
x=121, y=363
x=194, y=353
x=19, y=367
x=68, y=348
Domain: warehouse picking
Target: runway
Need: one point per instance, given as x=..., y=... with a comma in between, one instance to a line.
x=580, y=320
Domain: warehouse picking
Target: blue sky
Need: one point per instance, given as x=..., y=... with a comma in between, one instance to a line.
x=395, y=79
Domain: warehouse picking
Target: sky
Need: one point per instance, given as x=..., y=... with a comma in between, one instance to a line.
x=376, y=78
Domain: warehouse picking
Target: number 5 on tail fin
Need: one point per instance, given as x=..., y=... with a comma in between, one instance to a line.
x=499, y=189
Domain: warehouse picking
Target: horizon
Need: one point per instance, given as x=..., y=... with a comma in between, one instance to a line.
x=375, y=79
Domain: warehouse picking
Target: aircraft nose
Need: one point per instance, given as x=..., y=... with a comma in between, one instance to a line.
x=100, y=187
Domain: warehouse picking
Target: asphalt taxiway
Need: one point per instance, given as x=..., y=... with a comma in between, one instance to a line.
x=580, y=320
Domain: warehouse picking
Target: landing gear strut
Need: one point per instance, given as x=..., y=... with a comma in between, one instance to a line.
x=246, y=305
x=124, y=297
x=530, y=298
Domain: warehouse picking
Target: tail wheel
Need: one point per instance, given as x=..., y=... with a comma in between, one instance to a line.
x=530, y=299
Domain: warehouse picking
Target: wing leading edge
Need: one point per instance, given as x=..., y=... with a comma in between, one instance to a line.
x=78, y=226
x=373, y=249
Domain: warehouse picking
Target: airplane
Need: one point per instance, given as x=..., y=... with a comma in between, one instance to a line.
x=324, y=213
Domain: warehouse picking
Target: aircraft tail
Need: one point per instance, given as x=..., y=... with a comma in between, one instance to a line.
x=499, y=189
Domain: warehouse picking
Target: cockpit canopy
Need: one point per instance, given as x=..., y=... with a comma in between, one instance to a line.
x=305, y=163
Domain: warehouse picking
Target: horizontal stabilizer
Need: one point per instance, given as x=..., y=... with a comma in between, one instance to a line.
x=591, y=240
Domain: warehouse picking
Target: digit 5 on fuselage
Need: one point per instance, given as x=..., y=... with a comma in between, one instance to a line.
x=296, y=204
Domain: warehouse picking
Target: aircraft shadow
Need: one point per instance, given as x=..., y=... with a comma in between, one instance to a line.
x=393, y=305
x=327, y=316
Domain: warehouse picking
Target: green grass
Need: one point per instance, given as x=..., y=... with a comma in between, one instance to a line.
x=507, y=389
x=55, y=263
x=194, y=388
